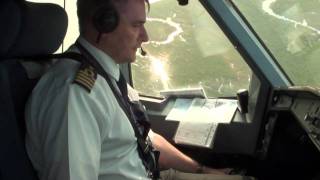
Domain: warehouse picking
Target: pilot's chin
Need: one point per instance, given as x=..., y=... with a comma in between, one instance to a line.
x=131, y=60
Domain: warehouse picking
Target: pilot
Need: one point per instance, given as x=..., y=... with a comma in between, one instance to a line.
x=84, y=122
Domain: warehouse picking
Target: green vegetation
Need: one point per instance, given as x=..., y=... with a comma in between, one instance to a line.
x=296, y=48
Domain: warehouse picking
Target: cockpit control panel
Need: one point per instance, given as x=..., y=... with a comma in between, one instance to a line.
x=304, y=104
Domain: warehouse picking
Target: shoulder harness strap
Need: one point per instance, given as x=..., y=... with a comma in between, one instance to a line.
x=86, y=75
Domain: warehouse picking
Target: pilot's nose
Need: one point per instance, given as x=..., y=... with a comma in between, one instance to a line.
x=144, y=35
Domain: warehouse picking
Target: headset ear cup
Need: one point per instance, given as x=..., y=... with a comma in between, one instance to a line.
x=105, y=19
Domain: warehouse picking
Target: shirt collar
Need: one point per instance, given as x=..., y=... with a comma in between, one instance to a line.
x=107, y=63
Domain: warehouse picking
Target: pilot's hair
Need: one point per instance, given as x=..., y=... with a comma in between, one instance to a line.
x=87, y=8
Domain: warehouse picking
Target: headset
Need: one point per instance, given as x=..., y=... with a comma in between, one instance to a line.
x=106, y=18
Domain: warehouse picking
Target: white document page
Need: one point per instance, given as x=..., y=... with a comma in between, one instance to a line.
x=198, y=123
x=179, y=110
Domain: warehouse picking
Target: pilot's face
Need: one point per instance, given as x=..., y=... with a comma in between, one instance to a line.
x=124, y=41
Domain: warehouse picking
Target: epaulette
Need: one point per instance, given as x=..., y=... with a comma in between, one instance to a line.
x=86, y=76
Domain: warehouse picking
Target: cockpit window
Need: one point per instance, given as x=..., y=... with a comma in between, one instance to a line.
x=291, y=31
x=187, y=50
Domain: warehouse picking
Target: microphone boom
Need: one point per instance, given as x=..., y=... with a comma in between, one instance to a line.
x=143, y=52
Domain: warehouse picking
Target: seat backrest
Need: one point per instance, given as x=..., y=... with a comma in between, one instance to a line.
x=27, y=29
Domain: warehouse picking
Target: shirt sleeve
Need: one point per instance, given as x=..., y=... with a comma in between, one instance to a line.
x=72, y=134
x=86, y=129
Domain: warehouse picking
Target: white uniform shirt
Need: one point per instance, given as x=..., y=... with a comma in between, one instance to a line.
x=77, y=135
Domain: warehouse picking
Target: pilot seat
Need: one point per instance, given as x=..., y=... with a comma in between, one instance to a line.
x=27, y=30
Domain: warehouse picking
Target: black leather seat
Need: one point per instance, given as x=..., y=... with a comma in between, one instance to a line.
x=27, y=29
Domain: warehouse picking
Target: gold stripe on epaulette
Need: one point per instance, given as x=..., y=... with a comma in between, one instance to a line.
x=86, y=77
x=85, y=81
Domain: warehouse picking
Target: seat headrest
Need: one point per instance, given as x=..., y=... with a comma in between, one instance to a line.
x=29, y=28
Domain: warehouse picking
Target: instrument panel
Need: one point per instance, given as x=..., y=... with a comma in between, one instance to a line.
x=304, y=104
